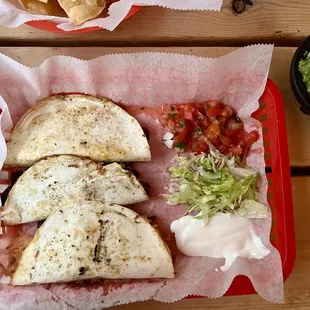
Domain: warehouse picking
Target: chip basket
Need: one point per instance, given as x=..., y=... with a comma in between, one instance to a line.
x=271, y=115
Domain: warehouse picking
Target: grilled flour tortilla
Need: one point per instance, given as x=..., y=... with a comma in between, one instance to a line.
x=78, y=125
x=59, y=180
x=101, y=240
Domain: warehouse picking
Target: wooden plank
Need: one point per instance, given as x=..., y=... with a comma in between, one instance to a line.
x=298, y=124
x=266, y=21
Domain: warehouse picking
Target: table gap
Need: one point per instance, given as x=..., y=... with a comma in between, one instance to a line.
x=78, y=41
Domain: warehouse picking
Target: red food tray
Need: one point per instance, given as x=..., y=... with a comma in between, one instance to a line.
x=271, y=115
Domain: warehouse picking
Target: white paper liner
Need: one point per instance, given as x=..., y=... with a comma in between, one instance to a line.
x=143, y=79
x=13, y=15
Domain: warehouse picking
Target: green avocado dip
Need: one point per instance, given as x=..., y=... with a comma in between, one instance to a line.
x=304, y=69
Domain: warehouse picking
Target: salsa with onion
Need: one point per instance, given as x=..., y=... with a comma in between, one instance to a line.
x=194, y=124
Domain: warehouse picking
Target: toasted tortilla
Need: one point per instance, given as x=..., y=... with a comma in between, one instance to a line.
x=79, y=125
x=80, y=11
x=93, y=240
x=59, y=180
x=43, y=7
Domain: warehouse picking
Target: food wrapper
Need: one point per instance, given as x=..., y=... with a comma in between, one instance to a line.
x=13, y=15
x=148, y=79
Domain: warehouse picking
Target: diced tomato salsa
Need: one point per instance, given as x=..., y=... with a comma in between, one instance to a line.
x=193, y=124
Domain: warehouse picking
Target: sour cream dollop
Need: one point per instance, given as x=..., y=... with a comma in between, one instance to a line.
x=168, y=139
x=224, y=236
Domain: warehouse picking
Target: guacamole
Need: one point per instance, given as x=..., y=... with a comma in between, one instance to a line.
x=304, y=69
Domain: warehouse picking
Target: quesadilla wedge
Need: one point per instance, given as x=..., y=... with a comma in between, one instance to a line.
x=79, y=125
x=59, y=180
x=93, y=240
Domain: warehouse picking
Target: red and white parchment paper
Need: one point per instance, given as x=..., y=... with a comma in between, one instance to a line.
x=149, y=79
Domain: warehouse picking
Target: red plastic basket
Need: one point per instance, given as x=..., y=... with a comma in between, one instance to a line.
x=52, y=27
x=271, y=115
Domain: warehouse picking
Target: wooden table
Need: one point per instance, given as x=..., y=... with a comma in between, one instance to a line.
x=283, y=22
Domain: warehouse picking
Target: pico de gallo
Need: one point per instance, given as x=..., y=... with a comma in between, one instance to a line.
x=194, y=124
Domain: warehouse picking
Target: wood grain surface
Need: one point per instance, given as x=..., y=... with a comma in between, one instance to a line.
x=298, y=124
x=284, y=22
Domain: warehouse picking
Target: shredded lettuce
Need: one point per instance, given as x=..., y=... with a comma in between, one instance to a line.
x=304, y=69
x=252, y=209
x=213, y=183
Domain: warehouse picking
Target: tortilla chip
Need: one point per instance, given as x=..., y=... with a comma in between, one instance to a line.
x=95, y=2
x=80, y=11
x=41, y=8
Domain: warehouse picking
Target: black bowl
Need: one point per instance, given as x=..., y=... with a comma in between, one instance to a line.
x=298, y=87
